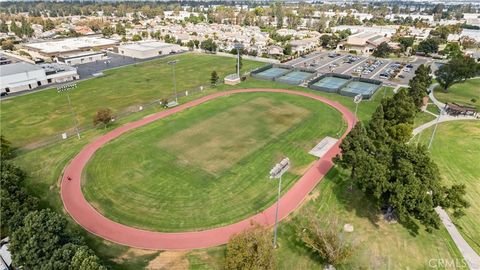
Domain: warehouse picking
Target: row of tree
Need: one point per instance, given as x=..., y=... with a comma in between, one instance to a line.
x=39, y=237
x=400, y=178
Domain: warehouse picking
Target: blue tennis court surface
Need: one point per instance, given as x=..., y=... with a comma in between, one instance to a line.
x=354, y=88
x=295, y=77
x=273, y=72
x=333, y=83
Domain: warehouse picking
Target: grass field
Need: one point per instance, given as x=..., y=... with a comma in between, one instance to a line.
x=30, y=118
x=462, y=93
x=456, y=150
x=210, y=161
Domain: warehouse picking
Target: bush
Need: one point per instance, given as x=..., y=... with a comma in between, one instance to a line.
x=323, y=236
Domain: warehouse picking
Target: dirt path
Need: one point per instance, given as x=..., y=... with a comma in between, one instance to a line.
x=87, y=217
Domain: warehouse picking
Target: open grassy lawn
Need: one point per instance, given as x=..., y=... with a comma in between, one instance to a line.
x=210, y=161
x=462, y=93
x=422, y=118
x=456, y=150
x=379, y=245
x=34, y=117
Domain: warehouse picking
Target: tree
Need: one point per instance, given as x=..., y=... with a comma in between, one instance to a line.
x=323, y=235
x=107, y=31
x=383, y=50
x=7, y=44
x=3, y=27
x=208, y=45
x=456, y=70
x=405, y=42
x=5, y=148
x=419, y=84
x=325, y=40
x=120, y=29
x=251, y=249
x=191, y=45
x=428, y=46
x=214, y=78
x=103, y=116
x=287, y=50
x=452, y=50
x=136, y=38
x=48, y=25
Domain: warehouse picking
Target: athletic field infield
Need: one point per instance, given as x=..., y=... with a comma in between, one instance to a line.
x=207, y=166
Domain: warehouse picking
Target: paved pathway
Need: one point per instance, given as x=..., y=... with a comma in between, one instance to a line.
x=435, y=101
x=85, y=215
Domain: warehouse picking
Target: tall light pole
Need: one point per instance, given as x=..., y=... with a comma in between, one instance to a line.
x=238, y=46
x=357, y=99
x=435, y=129
x=276, y=173
x=173, y=63
x=66, y=88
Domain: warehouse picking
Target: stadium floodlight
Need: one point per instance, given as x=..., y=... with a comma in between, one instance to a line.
x=66, y=88
x=276, y=173
x=238, y=46
x=357, y=99
x=173, y=63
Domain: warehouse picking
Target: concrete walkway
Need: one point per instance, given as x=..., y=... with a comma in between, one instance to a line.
x=435, y=101
x=471, y=257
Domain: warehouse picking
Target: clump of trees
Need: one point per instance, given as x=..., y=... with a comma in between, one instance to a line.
x=323, y=235
x=418, y=85
x=251, y=249
x=38, y=237
x=383, y=50
x=208, y=45
x=458, y=69
x=400, y=178
x=428, y=46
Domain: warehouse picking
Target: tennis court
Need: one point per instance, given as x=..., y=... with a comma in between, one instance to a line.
x=329, y=84
x=271, y=73
x=354, y=88
x=295, y=77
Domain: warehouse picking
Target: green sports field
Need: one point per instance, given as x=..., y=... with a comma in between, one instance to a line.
x=456, y=150
x=38, y=116
x=207, y=166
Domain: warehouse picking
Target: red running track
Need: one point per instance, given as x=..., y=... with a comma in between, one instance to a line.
x=85, y=215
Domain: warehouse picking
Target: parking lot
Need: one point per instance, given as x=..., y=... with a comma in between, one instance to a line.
x=389, y=71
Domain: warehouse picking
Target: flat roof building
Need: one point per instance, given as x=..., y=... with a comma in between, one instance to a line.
x=70, y=45
x=23, y=76
x=148, y=49
x=363, y=42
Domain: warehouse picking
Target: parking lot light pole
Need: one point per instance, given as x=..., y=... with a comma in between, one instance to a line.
x=276, y=173
x=238, y=46
x=357, y=99
x=173, y=63
x=66, y=88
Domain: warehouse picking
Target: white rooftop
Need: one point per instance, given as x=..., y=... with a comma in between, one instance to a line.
x=71, y=44
x=146, y=46
x=16, y=68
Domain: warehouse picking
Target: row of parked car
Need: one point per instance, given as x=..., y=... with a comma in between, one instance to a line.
x=394, y=69
x=351, y=59
x=368, y=67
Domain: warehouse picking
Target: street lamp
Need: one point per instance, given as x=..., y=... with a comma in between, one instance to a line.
x=173, y=63
x=357, y=99
x=238, y=46
x=276, y=173
x=435, y=129
x=66, y=88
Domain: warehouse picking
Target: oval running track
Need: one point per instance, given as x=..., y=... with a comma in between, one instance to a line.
x=94, y=222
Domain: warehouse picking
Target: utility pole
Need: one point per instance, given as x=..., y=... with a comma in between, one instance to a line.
x=276, y=173
x=173, y=63
x=434, y=129
x=66, y=88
